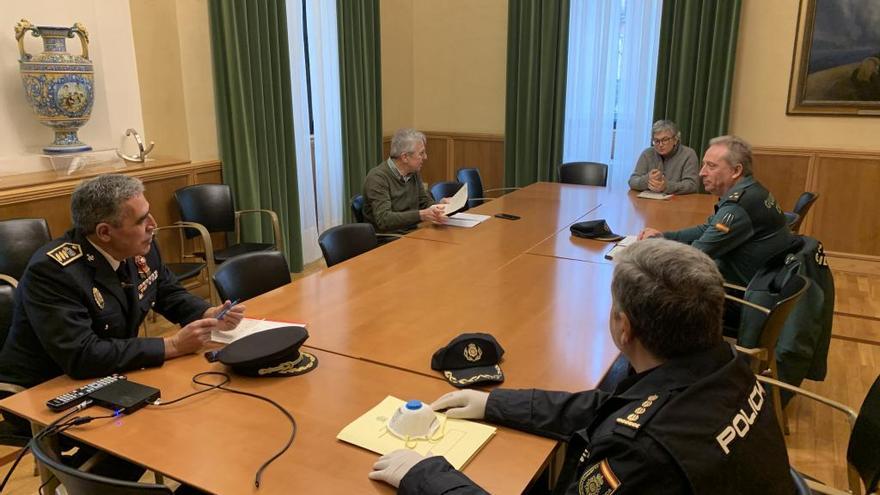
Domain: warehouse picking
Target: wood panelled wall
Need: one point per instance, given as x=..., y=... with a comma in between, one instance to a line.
x=44, y=195
x=448, y=152
x=845, y=217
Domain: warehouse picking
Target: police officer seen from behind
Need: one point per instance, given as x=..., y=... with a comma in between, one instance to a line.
x=83, y=296
x=691, y=419
x=748, y=227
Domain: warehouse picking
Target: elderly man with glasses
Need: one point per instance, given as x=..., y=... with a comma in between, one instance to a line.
x=395, y=200
x=667, y=166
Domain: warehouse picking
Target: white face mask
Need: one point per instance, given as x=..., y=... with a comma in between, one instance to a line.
x=414, y=421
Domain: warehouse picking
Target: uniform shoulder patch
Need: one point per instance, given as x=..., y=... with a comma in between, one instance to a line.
x=640, y=412
x=735, y=196
x=66, y=253
x=598, y=479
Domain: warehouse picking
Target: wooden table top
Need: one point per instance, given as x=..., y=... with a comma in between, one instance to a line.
x=216, y=441
x=376, y=320
x=627, y=214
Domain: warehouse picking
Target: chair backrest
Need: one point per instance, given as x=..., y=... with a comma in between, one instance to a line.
x=780, y=289
x=445, y=189
x=248, y=275
x=584, y=173
x=862, y=452
x=208, y=204
x=801, y=207
x=346, y=241
x=78, y=482
x=804, y=202
x=19, y=239
x=7, y=304
x=471, y=177
x=357, y=208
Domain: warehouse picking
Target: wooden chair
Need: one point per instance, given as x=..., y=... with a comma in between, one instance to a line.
x=862, y=453
x=211, y=205
x=191, y=266
x=769, y=321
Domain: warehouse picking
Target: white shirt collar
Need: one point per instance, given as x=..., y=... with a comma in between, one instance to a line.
x=114, y=263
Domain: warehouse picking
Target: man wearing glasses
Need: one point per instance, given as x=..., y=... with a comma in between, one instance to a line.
x=395, y=200
x=667, y=166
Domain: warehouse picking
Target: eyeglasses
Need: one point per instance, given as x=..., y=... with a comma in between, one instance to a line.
x=665, y=140
x=423, y=153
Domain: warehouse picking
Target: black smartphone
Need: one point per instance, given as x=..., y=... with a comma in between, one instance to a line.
x=506, y=216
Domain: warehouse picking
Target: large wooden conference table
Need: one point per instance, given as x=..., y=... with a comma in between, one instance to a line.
x=374, y=322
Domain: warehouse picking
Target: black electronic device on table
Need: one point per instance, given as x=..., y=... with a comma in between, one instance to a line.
x=125, y=396
x=506, y=216
x=76, y=396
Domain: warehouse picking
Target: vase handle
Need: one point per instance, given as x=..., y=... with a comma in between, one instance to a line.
x=83, y=38
x=21, y=28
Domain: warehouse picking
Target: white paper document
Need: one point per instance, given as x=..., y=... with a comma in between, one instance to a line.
x=466, y=220
x=654, y=195
x=246, y=327
x=458, y=200
x=620, y=246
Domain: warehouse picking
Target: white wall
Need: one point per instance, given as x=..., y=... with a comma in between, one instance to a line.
x=117, y=95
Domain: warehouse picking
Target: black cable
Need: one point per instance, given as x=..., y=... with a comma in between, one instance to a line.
x=226, y=379
x=27, y=447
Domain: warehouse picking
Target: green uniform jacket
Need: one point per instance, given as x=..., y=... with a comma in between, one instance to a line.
x=747, y=229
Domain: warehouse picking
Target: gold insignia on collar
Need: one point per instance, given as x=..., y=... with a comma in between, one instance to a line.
x=66, y=253
x=90, y=256
x=598, y=479
x=99, y=299
x=473, y=352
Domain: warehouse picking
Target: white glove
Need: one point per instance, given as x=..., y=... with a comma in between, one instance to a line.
x=463, y=404
x=392, y=467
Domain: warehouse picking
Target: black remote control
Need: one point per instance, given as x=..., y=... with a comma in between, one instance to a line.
x=76, y=396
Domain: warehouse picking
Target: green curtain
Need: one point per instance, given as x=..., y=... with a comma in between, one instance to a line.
x=360, y=81
x=695, y=67
x=537, y=53
x=255, y=116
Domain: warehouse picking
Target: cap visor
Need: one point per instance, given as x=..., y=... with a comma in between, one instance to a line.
x=469, y=377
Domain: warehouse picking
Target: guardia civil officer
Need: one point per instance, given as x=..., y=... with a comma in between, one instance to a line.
x=691, y=419
x=83, y=296
x=748, y=227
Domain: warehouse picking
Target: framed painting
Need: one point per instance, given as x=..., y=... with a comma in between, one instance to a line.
x=836, y=61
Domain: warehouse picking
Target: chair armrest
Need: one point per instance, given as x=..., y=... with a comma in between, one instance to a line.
x=9, y=280
x=276, y=226
x=209, y=253
x=752, y=305
x=816, y=487
x=728, y=285
x=11, y=388
x=850, y=413
x=389, y=235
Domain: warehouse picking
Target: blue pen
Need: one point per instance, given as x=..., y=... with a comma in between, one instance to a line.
x=225, y=310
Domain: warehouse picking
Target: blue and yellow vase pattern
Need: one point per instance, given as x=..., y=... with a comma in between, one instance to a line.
x=59, y=86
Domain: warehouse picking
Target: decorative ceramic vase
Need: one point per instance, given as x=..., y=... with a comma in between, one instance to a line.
x=59, y=86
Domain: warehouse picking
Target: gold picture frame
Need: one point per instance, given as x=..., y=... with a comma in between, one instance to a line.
x=835, y=66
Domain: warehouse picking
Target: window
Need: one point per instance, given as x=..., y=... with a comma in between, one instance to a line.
x=612, y=67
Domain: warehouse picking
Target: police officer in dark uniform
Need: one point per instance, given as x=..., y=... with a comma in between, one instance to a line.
x=691, y=419
x=83, y=296
x=748, y=227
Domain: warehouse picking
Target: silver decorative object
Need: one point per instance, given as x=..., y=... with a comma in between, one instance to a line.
x=142, y=152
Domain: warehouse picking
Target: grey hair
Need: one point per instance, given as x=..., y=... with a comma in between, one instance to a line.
x=672, y=294
x=404, y=141
x=101, y=200
x=738, y=151
x=665, y=125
